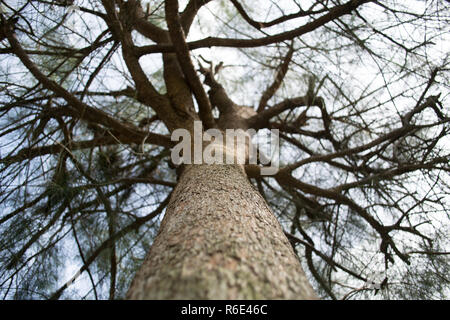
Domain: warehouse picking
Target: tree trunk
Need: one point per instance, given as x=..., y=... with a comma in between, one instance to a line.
x=219, y=240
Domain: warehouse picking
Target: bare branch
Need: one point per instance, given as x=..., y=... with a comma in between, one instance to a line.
x=279, y=76
x=333, y=13
x=179, y=41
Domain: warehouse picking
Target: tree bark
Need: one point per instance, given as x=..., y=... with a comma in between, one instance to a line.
x=219, y=240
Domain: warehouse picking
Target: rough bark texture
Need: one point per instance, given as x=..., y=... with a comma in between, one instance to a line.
x=219, y=240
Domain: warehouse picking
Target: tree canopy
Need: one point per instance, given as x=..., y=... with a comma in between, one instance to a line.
x=358, y=89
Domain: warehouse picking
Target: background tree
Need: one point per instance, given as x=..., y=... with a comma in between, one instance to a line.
x=90, y=91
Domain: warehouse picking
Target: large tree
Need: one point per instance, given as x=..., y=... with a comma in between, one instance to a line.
x=90, y=197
